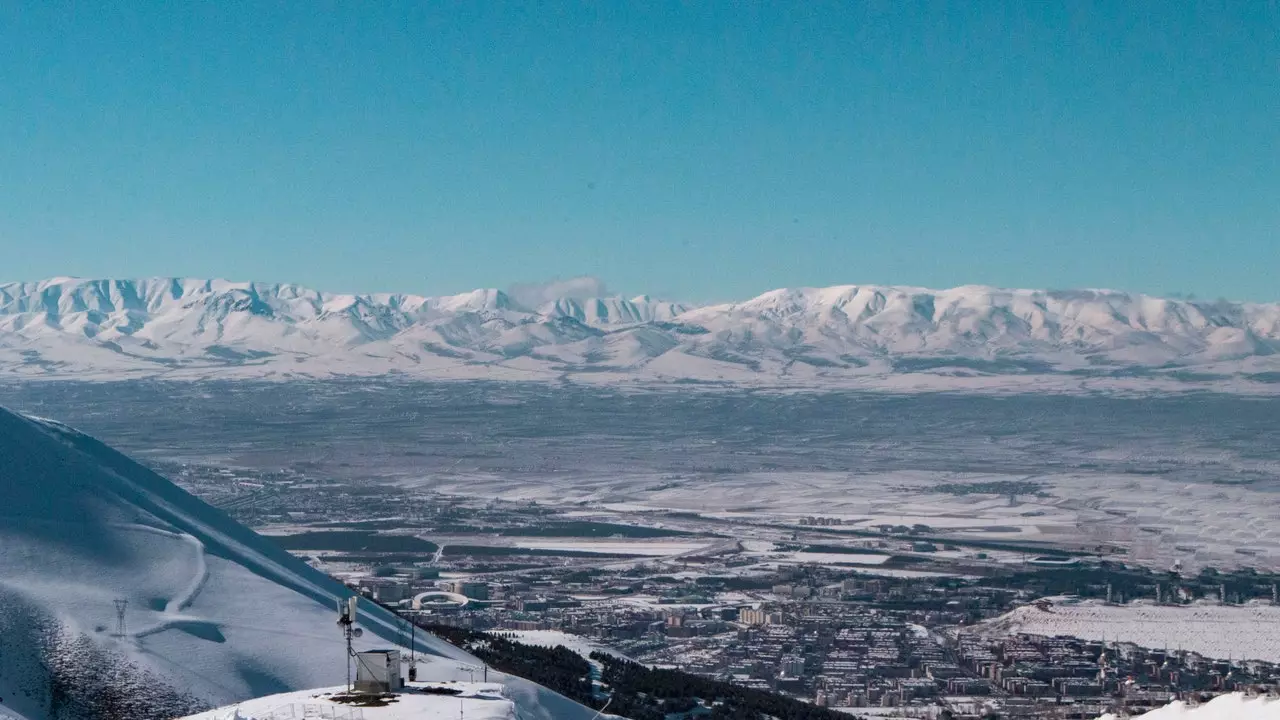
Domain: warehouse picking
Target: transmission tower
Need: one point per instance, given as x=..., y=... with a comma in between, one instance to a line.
x=122, y=627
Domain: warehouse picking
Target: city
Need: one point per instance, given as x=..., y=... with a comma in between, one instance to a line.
x=898, y=622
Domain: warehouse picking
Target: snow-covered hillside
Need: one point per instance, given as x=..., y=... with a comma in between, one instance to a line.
x=215, y=613
x=1224, y=707
x=420, y=701
x=852, y=335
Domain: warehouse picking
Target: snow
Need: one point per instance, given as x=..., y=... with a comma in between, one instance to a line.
x=556, y=638
x=1155, y=521
x=834, y=558
x=475, y=701
x=856, y=336
x=1242, y=632
x=1235, y=706
x=213, y=609
x=651, y=548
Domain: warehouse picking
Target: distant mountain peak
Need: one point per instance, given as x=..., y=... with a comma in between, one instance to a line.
x=844, y=335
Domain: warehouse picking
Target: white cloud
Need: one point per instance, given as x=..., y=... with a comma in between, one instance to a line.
x=534, y=294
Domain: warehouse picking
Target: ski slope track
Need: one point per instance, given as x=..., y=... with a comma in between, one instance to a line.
x=216, y=614
x=894, y=338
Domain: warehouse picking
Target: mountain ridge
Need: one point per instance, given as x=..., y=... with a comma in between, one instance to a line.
x=185, y=328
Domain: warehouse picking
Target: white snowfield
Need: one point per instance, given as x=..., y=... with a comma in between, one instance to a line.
x=893, y=338
x=555, y=638
x=1241, y=632
x=213, y=609
x=474, y=701
x=1235, y=706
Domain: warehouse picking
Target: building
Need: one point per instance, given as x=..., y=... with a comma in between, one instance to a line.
x=378, y=671
x=473, y=590
x=389, y=593
x=791, y=667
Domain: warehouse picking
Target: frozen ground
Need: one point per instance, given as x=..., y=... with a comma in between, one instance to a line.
x=1191, y=478
x=1250, y=632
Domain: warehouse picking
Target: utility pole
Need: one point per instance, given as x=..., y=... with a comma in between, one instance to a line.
x=413, y=649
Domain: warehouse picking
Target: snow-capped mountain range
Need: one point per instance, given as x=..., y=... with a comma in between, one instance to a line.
x=843, y=335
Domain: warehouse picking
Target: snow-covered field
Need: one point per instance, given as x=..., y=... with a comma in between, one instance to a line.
x=1224, y=707
x=1249, y=632
x=833, y=558
x=475, y=701
x=215, y=614
x=648, y=548
x=1155, y=521
x=556, y=638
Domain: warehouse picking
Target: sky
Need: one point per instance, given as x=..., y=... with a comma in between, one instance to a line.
x=694, y=150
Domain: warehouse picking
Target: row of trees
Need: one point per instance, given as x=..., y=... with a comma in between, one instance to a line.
x=558, y=668
x=643, y=693
x=637, y=692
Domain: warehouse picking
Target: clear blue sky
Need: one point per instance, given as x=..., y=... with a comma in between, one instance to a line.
x=703, y=150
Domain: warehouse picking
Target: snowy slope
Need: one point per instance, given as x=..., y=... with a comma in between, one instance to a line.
x=216, y=614
x=474, y=701
x=1224, y=707
x=854, y=334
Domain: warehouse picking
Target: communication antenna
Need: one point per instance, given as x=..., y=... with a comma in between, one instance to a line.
x=347, y=621
x=122, y=627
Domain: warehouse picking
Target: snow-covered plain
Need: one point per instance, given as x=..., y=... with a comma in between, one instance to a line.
x=1235, y=706
x=862, y=336
x=1248, y=632
x=1155, y=521
x=215, y=615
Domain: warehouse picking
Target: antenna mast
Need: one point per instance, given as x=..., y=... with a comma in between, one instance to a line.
x=347, y=621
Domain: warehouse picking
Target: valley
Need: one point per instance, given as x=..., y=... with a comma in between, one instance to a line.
x=839, y=548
